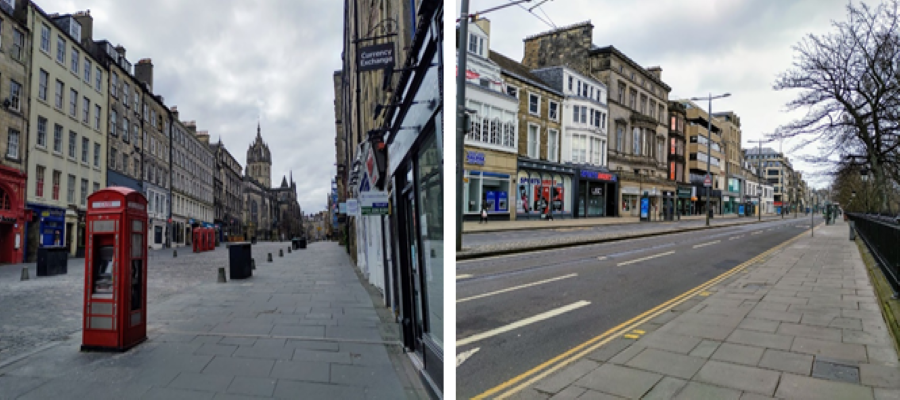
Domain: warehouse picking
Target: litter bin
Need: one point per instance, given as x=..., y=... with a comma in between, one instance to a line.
x=711, y=214
x=239, y=260
x=52, y=260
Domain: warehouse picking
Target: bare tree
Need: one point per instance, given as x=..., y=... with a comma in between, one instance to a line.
x=849, y=80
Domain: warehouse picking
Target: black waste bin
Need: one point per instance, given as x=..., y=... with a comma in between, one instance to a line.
x=302, y=243
x=295, y=243
x=52, y=260
x=253, y=240
x=239, y=256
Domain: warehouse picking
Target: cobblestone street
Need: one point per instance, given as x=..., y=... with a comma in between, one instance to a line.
x=46, y=309
x=302, y=322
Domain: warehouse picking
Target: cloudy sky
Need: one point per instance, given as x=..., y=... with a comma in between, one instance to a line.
x=225, y=63
x=703, y=46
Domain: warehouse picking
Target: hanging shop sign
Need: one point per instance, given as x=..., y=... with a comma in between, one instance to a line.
x=376, y=57
x=374, y=203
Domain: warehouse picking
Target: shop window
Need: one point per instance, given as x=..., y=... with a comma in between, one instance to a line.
x=431, y=217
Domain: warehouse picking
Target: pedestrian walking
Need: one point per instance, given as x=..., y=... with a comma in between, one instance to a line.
x=484, y=215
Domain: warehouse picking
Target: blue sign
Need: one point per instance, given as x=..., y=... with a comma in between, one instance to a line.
x=502, y=201
x=474, y=157
x=741, y=210
x=600, y=176
x=645, y=207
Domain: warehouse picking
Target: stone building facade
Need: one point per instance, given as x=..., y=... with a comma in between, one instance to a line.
x=229, y=191
x=732, y=196
x=192, y=179
x=492, y=142
x=637, y=108
x=67, y=152
x=154, y=125
x=15, y=137
x=677, y=165
x=268, y=213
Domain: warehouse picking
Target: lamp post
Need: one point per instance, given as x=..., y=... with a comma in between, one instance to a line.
x=709, y=98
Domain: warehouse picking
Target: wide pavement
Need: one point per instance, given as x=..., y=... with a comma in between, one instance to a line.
x=516, y=312
x=303, y=326
x=800, y=323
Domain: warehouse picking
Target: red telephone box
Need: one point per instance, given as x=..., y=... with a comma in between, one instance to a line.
x=211, y=238
x=196, y=241
x=115, y=270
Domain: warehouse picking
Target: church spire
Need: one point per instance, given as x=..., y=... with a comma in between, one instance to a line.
x=258, y=134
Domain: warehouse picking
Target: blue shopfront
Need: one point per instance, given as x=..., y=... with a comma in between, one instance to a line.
x=596, y=193
x=47, y=228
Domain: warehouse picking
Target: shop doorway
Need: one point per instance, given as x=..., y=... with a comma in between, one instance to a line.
x=415, y=272
x=6, y=243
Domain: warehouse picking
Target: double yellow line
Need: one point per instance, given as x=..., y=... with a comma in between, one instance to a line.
x=535, y=374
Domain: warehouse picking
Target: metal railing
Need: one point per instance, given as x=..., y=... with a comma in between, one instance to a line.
x=882, y=236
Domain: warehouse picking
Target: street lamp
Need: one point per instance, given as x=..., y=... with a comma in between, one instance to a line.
x=709, y=98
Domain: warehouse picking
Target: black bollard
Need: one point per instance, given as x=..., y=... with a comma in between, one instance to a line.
x=280, y=253
x=270, y=257
x=222, y=275
x=174, y=253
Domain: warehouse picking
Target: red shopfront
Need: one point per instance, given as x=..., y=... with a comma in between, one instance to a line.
x=12, y=215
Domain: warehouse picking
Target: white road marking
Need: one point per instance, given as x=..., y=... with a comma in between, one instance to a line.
x=735, y=237
x=645, y=258
x=521, y=323
x=757, y=232
x=601, y=258
x=479, y=259
x=517, y=287
x=462, y=357
x=463, y=276
x=706, y=244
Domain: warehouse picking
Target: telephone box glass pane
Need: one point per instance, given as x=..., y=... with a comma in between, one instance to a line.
x=103, y=270
x=137, y=272
x=137, y=226
x=137, y=245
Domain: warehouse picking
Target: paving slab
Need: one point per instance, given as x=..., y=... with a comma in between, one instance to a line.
x=667, y=363
x=739, y=377
x=696, y=390
x=738, y=354
x=620, y=381
x=803, y=387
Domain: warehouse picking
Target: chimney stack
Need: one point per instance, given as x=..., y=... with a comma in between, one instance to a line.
x=174, y=111
x=143, y=71
x=87, y=28
x=655, y=71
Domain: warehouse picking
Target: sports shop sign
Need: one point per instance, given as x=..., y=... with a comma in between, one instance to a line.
x=375, y=57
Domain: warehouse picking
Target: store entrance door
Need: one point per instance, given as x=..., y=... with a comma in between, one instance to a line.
x=415, y=270
x=6, y=243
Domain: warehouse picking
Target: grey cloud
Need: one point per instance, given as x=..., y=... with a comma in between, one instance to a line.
x=218, y=60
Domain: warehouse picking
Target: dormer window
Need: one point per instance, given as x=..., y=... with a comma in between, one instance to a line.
x=476, y=44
